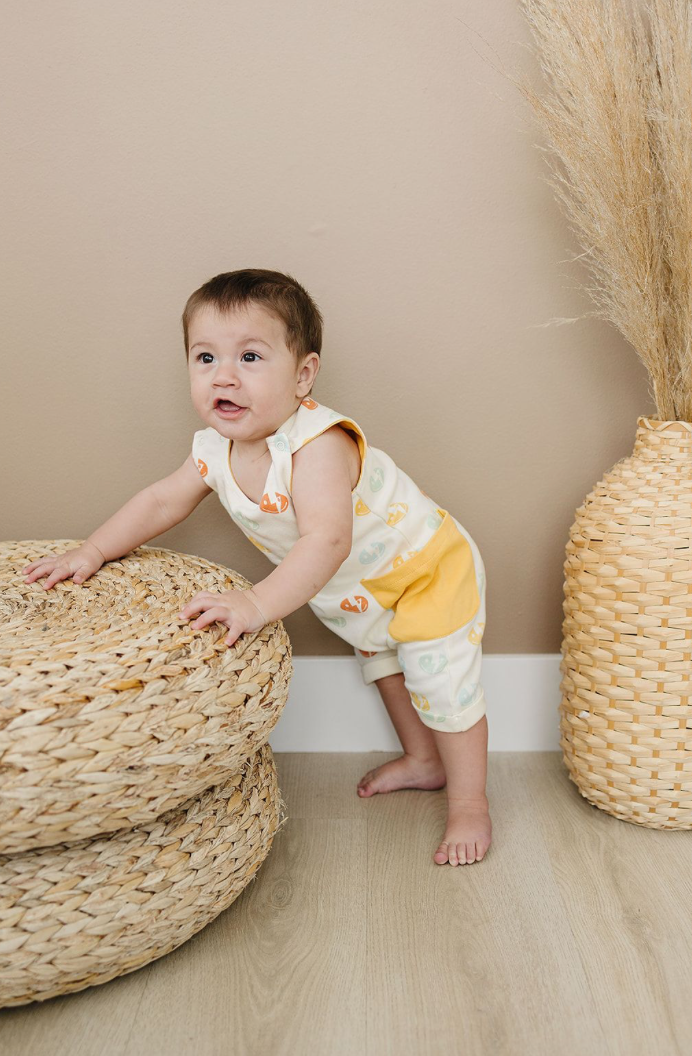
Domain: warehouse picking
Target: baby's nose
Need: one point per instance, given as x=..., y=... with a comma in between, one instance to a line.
x=225, y=375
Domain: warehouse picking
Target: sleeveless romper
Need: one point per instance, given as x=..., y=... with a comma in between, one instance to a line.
x=409, y=597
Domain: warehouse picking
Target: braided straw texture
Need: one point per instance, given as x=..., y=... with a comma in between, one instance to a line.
x=79, y=914
x=112, y=710
x=626, y=715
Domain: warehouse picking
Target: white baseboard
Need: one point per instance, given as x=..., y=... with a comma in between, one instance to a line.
x=330, y=709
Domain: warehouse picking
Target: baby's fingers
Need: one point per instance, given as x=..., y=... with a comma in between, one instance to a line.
x=38, y=570
x=56, y=575
x=82, y=573
x=194, y=605
x=210, y=616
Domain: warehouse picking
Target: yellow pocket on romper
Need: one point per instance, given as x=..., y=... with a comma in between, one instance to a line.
x=433, y=593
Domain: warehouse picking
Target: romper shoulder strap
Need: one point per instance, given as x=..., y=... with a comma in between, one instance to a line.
x=312, y=419
x=210, y=454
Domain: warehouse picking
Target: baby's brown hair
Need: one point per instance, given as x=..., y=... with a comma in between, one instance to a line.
x=280, y=295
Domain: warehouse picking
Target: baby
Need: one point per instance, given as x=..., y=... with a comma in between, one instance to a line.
x=376, y=559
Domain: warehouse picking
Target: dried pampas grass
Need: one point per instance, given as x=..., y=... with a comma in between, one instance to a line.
x=617, y=117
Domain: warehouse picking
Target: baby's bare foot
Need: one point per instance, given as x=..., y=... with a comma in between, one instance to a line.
x=467, y=833
x=404, y=772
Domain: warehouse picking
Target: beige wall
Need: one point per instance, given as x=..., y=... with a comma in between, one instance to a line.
x=372, y=151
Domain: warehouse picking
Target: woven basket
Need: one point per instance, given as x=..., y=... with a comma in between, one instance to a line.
x=77, y=915
x=112, y=710
x=626, y=711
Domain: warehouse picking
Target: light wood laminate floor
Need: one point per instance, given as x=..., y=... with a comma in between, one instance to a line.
x=571, y=937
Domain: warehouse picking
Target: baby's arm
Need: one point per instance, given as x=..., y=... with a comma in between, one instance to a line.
x=152, y=511
x=149, y=513
x=324, y=512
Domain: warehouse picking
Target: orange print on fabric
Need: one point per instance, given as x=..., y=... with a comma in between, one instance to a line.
x=309, y=403
x=359, y=604
x=363, y=653
x=202, y=467
x=280, y=506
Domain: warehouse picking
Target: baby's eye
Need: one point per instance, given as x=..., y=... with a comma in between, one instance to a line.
x=204, y=354
x=250, y=354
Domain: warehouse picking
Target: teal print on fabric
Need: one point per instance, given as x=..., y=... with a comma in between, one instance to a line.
x=245, y=520
x=280, y=442
x=338, y=620
x=433, y=663
x=467, y=695
x=366, y=557
x=434, y=520
x=376, y=478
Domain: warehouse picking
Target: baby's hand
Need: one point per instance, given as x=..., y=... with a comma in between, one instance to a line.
x=232, y=608
x=79, y=563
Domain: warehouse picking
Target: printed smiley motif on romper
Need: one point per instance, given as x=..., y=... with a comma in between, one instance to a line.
x=361, y=508
x=280, y=442
x=280, y=506
x=434, y=520
x=476, y=635
x=376, y=478
x=202, y=467
x=367, y=556
x=420, y=702
x=309, y=403
x=397, y=511
x=359, y=604
x=400, y=558
x=467, y=695
x=238, y=516
x=433, y=663
x=339, y=621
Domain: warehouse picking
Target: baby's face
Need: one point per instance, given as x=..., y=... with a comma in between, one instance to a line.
x=241, y=356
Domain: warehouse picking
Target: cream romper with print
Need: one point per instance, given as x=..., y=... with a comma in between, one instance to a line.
x=411, y=594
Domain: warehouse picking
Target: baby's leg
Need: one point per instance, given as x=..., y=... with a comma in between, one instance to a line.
x=417, y=740
x=420, y=766
x=443, y=677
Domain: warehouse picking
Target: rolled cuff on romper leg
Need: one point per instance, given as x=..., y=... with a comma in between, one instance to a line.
x=456, y=723
x=379, y=665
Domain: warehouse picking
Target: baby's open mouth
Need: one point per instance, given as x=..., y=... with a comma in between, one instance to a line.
x=227, y=405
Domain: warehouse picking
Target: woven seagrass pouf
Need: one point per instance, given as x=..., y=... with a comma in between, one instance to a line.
x=113, y=710
x=626, y=709
x=79, y=914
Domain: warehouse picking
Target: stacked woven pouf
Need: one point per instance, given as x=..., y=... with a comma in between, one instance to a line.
x=138, y=793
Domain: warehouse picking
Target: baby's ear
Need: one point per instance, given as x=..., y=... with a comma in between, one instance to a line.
x=310, y=369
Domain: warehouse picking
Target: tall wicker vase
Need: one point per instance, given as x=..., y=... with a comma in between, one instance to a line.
x=626, y=709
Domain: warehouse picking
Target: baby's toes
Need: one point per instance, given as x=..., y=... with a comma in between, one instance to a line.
x=481, y=848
